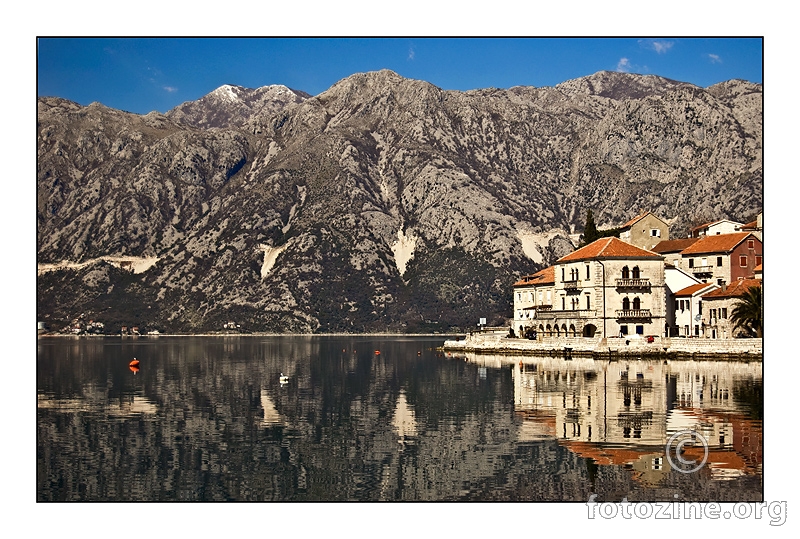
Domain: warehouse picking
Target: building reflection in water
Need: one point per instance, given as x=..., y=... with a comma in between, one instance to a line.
x=271, y=415
x=623, y=412
x=404, y=422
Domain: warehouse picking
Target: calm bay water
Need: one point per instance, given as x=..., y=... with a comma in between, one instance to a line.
x=390, y=419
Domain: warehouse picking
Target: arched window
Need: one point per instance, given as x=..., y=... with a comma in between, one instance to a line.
x=625, y=273
x=635, y=272
x=626, y=304
x=636, y=304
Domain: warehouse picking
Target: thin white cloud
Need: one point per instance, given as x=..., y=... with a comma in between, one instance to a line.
x=662, y=47
x=170, y=89
x=715, y=59
x=411, y=53
x=659, y=46
x=624, y=65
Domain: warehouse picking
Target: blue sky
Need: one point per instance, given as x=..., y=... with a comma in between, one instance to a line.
x=145, y=74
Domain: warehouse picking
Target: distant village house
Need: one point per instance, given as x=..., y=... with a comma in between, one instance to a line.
x=644, y=284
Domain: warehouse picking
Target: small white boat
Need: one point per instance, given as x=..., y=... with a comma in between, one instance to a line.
x=284, y=379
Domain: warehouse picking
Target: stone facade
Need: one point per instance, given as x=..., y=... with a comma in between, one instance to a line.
x=645, y=231
x=718, y=307
x=608, y=288
x=671, y=250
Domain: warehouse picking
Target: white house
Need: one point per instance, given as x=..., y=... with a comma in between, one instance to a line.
x=689, y=309
x=715, y=228
x=675, y=280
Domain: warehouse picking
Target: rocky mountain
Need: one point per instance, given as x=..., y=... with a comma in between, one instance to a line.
x=380, y=204
x=231, y=106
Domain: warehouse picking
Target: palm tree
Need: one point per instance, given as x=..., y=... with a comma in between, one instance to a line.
x=747, y=314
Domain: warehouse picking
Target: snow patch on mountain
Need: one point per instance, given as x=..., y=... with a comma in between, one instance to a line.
x=227, y=92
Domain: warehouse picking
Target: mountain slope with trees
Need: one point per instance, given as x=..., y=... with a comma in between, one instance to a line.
x=383, y=203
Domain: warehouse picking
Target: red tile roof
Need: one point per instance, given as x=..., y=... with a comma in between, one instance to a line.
x=693, y=289
x=608, y=248
x=704, y=225
x=633, y=221
x=542, y=277
x=735, y=289
x=673, y=246
x=752, y=225
x=720, y=243
x=639, y=218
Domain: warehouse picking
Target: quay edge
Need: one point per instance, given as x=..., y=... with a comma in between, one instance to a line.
x=661, y=347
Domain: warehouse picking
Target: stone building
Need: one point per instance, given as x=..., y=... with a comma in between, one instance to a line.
x=644, y=231
x=718, y=307
x=671, y=250
x=532, y=294
x=608, y=288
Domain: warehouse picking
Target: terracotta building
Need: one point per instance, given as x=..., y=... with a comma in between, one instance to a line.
x=723, y=259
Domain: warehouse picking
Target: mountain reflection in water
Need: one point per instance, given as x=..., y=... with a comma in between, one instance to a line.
x=209, y=419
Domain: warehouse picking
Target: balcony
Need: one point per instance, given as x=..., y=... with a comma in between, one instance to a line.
x=567, y=314
x=633, y=283
x=633, y=314
x=533, y=312
x=698, y=270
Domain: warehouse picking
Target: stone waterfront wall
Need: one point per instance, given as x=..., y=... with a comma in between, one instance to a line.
x=580, y=346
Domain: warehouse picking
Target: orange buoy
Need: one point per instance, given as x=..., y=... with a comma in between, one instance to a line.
x=134, y=363
x=134, y=369
x=377, y=352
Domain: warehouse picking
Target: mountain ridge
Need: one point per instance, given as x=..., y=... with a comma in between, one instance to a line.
x=382, y=202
